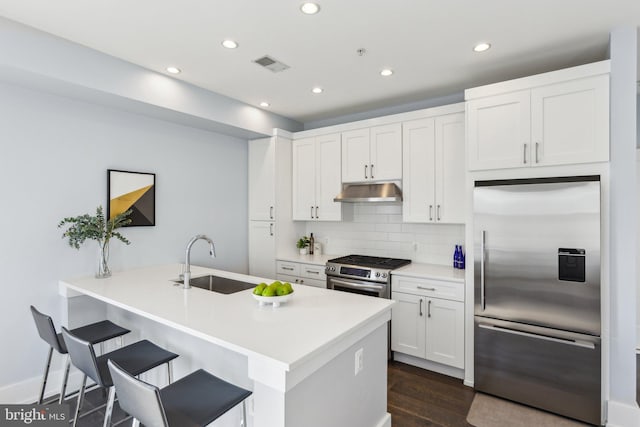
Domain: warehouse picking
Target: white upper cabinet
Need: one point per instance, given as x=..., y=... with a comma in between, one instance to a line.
x=556, y=118
x=570, y=122
x=316, y=178
x=262, y=164
x=499, y=131
x=434, y=169
x=386, y=152
x=372, y=154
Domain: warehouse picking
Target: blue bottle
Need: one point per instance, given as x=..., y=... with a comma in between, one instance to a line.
x=456, y=257
x=462, y=258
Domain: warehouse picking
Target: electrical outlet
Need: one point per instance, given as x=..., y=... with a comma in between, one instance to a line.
x=359, y=365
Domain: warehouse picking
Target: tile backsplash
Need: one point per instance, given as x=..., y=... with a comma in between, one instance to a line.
x=377, y=229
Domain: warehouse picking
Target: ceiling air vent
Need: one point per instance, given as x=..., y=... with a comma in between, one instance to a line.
x=271, y=64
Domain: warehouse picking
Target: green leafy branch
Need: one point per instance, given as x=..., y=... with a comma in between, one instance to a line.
x=96, y=227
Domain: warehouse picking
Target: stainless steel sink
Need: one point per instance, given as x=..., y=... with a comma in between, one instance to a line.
x=218, y=284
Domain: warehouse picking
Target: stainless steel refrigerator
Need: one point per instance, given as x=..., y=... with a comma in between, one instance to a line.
x=537, y=293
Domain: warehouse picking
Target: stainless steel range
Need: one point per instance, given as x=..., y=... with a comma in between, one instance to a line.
x=361, y=274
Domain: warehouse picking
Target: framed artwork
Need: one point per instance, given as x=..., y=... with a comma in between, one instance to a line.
x=135, y=191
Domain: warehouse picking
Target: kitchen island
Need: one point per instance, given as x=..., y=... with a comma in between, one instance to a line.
x=299, y=359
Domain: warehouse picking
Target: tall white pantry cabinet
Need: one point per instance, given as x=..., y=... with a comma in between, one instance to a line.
x=270, y=224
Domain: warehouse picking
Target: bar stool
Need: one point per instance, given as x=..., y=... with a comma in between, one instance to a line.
x=136, y=358
x=195, y=400
x=95, y=333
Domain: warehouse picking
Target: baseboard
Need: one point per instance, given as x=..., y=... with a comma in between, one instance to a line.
x=385, y=421
x=469, y=383
x=428, y=365
x=622, y=415
x=27, y=391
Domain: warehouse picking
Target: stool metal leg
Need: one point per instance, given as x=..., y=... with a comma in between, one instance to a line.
x=46, y=374
x=244, y=413
x=80, y=399
x=170, y=371
x=135, y=423
x=109, y=410
x=65, y=378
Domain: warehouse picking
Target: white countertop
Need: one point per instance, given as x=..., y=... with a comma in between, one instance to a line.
x=307, y=259
x=289, y=335
x=430, y=271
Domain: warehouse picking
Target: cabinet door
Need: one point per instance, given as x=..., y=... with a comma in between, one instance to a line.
x=355, y=156
x=408, y=324
x=449, y=169
x=418, y=174
x=570, y=122
x=499, y=131
x=262, y=249
x=445, y=332
x=328, y=178
x=386, y=153
x=304, y=179
x=262, y=165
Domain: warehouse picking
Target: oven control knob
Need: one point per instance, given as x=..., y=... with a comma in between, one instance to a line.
x=384, y=275
x=377, y=274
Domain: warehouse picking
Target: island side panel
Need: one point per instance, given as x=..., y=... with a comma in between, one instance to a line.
x=335, y=396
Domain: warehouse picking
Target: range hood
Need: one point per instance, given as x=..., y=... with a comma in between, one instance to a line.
x=357, y=193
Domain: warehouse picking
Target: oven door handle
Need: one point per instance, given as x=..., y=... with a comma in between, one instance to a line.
x=356, y=285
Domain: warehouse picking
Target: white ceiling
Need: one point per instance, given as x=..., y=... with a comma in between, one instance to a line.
x=427, y=43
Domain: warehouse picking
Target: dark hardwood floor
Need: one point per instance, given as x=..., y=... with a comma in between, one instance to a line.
x=416, y=397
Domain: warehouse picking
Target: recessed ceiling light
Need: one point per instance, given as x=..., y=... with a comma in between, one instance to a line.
x=317, y=90
x=310, y=8
x=481, y=47
x=264, y=104
x=229, y=44
x=173, y=70
x=386, y=72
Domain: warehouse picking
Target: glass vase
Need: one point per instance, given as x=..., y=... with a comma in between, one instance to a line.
x=103, y=261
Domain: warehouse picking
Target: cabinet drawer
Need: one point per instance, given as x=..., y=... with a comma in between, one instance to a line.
x=288, y=268
x=313, y=282
x=312, y=271
x=428, y=287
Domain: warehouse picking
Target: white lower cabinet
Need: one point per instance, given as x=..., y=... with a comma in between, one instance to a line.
x=304, y=274
x=427, y=327
x=262, y=248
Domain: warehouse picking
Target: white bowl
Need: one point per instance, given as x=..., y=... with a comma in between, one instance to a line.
x=276, y=301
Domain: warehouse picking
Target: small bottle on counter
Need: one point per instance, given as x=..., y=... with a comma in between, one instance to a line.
x=462, y=263
x=456, y=255
x=311, y=243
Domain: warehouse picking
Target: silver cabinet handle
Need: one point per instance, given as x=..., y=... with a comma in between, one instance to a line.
x=430, y=212
x=311, y=212
x=270, y=212
x=482, y=236
x=371, y=171
x=524, y=154
x=429, y=309
x=576, y=343
x=420, y=307
x=365, y=172
x=438, y=212
x=537, y=144
x=426, y=289
x=312, y=272
x=317, y=217
x=270, y=229
x=287, y=268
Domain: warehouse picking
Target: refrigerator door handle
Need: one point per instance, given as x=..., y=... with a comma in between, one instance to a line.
x=482, y=301
x=576, y=343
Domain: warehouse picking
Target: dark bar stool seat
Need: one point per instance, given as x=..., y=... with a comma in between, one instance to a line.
x=195, y=400
x=95, y=333
x=135, y=358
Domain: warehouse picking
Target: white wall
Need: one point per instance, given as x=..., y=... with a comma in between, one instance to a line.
x=377, y=229
x=622, y=365
x=55, y=153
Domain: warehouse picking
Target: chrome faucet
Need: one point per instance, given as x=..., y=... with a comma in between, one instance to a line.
x=187, y=269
